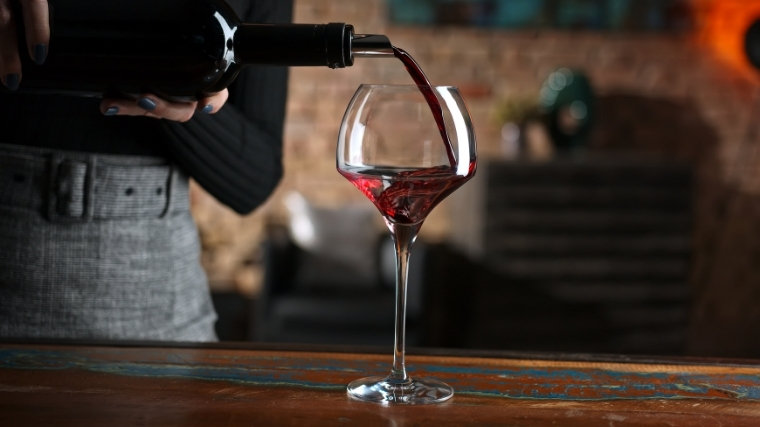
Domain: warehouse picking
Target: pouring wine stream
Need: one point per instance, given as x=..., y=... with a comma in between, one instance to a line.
x=376, y=46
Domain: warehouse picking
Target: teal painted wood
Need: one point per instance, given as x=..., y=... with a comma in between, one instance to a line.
x=333, y=372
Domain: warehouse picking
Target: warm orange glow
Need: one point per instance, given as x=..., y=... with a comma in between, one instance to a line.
x=722, y=25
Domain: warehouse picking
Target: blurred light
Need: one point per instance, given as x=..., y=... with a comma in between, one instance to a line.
x=301, y=226
x=578, y=110
x=510, y=132
x=567, y=74
x=548, y=96
x=557, y=81
x=510, y=140
x=724, y=26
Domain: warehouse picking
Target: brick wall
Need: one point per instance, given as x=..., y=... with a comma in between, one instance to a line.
x=490, y=66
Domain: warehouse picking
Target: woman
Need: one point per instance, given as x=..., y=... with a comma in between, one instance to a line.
x=96, y=237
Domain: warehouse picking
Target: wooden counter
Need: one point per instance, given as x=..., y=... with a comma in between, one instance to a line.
x=123, y=385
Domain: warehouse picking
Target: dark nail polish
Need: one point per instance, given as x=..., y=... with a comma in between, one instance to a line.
x=12, y=81
x=207, y=109
x=146, y=104
x=40, y=53
x=111, y=111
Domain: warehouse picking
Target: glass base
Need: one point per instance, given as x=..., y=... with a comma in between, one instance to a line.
x=411, y=392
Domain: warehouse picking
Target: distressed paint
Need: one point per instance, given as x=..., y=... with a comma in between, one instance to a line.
x=81, y=386
x=478, y=377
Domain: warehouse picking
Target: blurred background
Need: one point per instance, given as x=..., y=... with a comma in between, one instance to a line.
x=616, y=206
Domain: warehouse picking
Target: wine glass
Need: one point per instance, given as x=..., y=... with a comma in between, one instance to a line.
x=391, y=148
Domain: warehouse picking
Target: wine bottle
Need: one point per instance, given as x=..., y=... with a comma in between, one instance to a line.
x=173, y=48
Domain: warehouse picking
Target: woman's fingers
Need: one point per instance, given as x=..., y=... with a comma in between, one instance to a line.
x=37, y=25
x=176, y=111
x=213, y=103
x=10, y=65
x=151, y=106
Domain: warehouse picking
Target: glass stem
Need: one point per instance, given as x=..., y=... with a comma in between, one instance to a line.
x=403, y=238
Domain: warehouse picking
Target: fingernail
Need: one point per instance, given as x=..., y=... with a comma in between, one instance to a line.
x=40, y=53
x=111, y=111
x=146, y=104
x=207, y=109
x=11, y=81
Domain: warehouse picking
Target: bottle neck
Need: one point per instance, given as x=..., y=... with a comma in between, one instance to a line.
x=294, y=44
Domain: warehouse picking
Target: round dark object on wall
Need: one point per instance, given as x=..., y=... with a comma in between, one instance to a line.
x=752, y=43
x=567, y=102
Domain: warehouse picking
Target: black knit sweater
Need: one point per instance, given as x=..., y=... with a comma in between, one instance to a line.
x=235, y=154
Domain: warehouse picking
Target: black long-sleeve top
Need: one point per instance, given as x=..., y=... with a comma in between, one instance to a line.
x=235, y=154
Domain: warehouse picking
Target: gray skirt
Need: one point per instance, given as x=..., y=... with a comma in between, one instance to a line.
x=98, y=247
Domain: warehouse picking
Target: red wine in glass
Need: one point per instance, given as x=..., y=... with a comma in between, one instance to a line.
x=406, y=196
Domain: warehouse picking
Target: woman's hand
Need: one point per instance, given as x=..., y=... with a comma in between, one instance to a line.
x=37, y=25
x=152, y=106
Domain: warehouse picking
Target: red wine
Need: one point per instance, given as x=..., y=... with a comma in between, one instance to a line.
x=174, y=48
x=406, y=196
x=426, y=88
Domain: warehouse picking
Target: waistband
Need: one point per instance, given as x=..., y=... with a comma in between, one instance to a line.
x=69, y=186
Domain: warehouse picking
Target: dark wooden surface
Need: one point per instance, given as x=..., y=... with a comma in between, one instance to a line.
x=77, y=385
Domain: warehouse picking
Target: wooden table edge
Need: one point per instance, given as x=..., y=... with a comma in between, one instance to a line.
x=413, y=351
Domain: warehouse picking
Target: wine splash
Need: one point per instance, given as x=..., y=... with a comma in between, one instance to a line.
x=406, y=196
